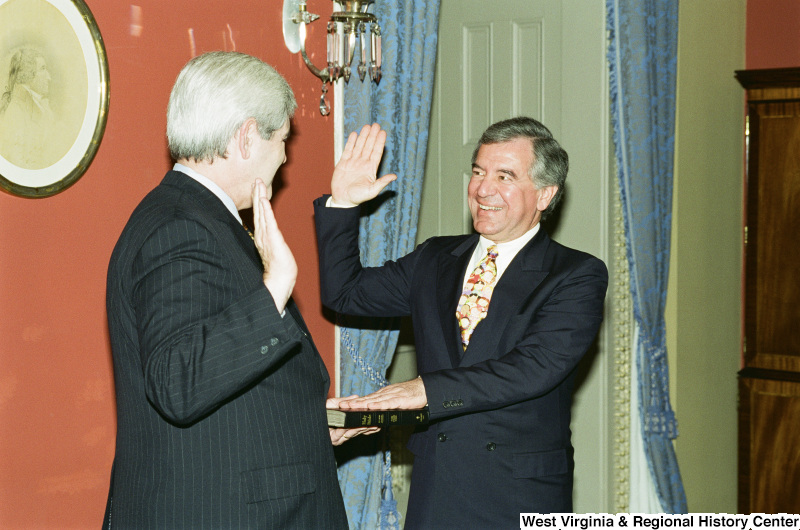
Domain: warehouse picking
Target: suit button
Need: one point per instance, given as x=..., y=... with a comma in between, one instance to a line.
x=442, y=437
x=491, y=446
x=264, y=349
x=273, y=341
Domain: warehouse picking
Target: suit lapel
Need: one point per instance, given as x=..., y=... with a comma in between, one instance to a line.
x=518, y=283
x=452, y=268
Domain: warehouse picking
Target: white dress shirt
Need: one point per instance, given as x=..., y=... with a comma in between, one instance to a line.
x=505, y=252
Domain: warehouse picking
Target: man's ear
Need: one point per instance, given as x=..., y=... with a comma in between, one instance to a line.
x=245, y=136
x=546, y=195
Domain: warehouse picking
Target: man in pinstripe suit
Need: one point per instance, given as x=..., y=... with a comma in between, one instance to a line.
x=220, y=389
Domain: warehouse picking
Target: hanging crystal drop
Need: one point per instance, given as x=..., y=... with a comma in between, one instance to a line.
x=375, y=54
x=362, y=60
x=349, y=50
x=324, y=107
x=350, y=34
x=331, y=51
x=337, y=63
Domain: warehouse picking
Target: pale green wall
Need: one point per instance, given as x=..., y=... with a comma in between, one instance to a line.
x=704, y=303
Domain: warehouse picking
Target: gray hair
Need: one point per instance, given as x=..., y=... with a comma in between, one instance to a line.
x=214, y=94
x=550, y=161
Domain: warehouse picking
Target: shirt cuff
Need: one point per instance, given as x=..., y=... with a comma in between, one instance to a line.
x=330, y=204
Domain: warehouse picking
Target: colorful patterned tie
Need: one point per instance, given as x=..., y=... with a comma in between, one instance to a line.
x=474, y=301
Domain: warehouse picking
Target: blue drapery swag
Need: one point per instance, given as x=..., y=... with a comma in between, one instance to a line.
x=642, y=59
x=401, y=104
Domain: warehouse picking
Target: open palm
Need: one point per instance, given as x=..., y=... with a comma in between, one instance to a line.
x=355, y=177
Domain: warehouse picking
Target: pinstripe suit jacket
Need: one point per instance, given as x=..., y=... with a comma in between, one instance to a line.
x=220, y=400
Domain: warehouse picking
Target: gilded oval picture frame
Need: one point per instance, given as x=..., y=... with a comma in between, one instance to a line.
x=53, y=94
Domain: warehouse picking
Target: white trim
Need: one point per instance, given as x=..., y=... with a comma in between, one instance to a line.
x=338, y=146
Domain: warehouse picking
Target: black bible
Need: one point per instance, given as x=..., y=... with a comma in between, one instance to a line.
x=376, y=418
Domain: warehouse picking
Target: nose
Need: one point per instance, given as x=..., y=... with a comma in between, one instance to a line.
x=486, y=187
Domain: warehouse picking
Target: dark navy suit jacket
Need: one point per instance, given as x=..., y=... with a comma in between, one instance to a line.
x=220, y=401
x=499, y=440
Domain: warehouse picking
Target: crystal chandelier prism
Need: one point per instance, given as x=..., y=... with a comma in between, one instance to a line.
x=349, y=31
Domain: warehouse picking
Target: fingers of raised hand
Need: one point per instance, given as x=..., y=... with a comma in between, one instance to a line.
x=365, y=139
x=349, y=146
x=373, y=146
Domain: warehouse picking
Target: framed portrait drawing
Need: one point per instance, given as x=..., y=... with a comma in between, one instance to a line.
x=53, y=94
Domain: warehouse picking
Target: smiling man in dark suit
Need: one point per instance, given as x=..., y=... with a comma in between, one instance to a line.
x=501, y=319
x=220, y=389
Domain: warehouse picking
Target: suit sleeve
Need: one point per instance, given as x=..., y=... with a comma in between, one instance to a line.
x=201, y=341
x=553, y=342
x=346, y=286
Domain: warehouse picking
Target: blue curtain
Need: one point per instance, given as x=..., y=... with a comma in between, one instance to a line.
x=401, y=104
x=643, y=62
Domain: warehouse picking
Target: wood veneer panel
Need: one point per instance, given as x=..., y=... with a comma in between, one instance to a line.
x=769, y=438
x=772, y=261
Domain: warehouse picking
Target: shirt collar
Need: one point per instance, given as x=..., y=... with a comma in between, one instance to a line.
x=509, y=248
x=506, y=251
x=37, y=98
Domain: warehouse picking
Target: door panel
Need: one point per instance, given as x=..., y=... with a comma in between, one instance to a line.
x=489, y=67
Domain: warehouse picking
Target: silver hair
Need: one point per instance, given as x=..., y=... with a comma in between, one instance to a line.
x=550, y=160
x=214, y=94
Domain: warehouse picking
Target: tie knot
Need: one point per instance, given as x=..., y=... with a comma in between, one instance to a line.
x=491, y=252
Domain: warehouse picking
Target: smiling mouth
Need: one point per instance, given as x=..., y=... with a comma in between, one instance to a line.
x=489, y=208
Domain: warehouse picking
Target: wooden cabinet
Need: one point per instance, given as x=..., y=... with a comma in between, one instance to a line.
x=769, y=383
x=769, y=451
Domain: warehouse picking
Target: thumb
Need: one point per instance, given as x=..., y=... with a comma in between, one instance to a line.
x=381, y=183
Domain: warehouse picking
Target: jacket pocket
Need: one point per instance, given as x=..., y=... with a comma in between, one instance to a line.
x=278, y=482
x=542, y=464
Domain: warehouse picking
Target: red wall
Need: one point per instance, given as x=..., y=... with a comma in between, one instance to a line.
x=57, y=419
x=773, y=34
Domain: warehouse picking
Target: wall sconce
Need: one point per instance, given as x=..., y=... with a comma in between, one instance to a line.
x=347, y=33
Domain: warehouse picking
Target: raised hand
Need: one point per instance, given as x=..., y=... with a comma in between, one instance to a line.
x=280, y=268
x=355, y=176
